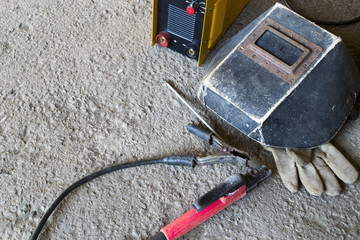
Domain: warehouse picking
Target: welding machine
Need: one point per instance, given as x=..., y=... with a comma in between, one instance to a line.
x=192, y=27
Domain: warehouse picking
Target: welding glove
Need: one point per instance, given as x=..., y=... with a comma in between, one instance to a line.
x=316, y=168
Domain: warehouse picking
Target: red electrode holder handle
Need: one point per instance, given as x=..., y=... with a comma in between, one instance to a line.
x=223, y=195
x=192, y=218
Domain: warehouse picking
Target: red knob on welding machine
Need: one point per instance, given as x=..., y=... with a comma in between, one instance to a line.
x=192, y=8
x=163, y=39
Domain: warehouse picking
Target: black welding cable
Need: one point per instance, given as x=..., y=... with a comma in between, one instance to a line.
x=174, y=160
x=345, y=22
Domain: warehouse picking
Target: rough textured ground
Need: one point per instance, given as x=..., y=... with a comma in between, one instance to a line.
x=82, y=89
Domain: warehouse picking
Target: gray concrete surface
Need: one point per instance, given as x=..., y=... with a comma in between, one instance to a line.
x=82, y=89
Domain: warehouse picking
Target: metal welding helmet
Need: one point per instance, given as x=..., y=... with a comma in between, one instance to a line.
x=283, y=81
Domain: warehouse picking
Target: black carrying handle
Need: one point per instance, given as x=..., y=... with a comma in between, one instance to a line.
x=201, y=133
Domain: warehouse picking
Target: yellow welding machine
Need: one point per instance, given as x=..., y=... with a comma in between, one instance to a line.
x=193, y=27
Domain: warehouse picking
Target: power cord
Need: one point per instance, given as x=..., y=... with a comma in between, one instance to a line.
x=173, y=160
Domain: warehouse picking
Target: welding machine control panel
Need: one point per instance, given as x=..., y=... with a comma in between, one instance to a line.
x=179, y=25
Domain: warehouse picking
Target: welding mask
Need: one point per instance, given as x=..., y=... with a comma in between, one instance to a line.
x=283, y=81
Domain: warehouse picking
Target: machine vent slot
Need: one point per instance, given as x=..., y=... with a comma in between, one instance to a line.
x=180, y=23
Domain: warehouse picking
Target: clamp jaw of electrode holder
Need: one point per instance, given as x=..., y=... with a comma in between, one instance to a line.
x=228, y=153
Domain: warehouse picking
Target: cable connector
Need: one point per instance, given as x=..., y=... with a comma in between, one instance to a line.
x=180, y=161
x=220, y=158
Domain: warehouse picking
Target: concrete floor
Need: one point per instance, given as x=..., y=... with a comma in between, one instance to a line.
x=82, y=89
